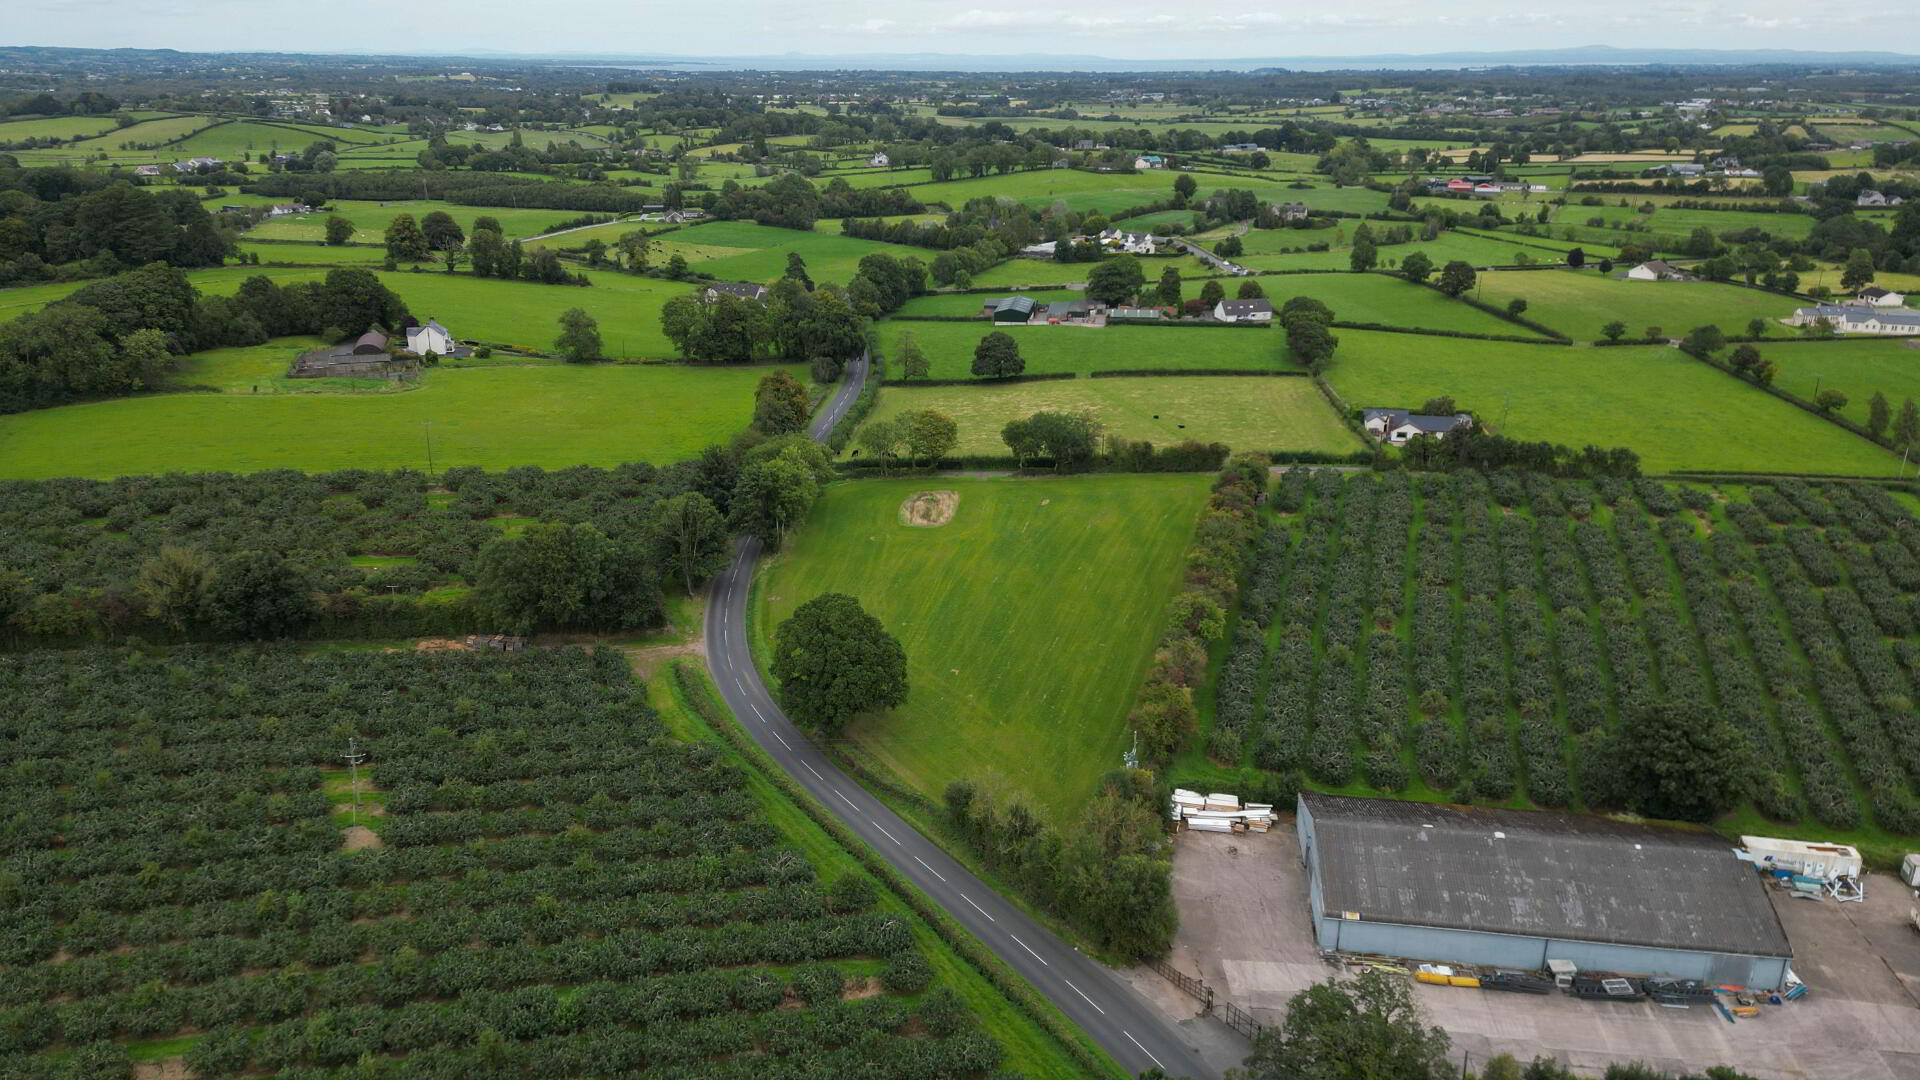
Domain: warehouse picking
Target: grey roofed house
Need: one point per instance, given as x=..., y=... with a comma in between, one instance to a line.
x=742, y=289
x=1251, y=308
x=1013, y=309
x=1512, y=888
x=1392, y=420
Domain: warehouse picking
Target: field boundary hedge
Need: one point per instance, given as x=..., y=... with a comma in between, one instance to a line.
x=1131, y=373
x=1433, y=332
x=990, y=967
x=1831, y=416
x=1003, y=380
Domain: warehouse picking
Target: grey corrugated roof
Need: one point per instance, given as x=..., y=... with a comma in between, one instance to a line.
x=1249, y=306
x=1552, y=875
x=1022, y=304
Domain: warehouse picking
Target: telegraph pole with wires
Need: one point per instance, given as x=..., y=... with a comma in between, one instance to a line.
x=355, y=757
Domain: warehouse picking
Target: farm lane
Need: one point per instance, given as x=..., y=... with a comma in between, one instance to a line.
x=1124, y=1023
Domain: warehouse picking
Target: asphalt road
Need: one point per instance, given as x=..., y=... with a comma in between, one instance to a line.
x=1125, y=1024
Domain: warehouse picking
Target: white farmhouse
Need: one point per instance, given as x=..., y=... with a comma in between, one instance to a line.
x=879, y=160
x=1257, y=309
x=1658, y=270
x=1875, y=296
x=1859, y=319
x=431, y=338
x=1396, y=426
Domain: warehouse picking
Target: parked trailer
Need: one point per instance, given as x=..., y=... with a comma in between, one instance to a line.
x=1910, y=870
x=1823, y=862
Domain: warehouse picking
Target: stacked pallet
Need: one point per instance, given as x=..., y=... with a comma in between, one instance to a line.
x=1218, y=812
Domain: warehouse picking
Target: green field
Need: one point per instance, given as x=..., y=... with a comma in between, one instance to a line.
x=744, y=251
x=370, y=219
x=1579, y=303
x=224, y=281
x=1855, y=368
x=1083, y=349
x=523, y=313
x=1394, y=301
x=56, y=127
x=495, y=418
x=1251, y=413
x=1020, y=272
x=1028, y=621
x=1676, y=412
x=1263, y=247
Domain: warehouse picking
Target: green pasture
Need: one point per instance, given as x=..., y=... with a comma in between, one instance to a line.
x=1676, y=412
x=524, y=313
x=1079, y=190
x=370, y=219
x=1083, y=349
x=1028, y=620
x=1858, y=369
x=1265, y=249
x=551, y=415
x=1250, y=413
x=56, y=127
x=243, y=140
x=361, y=255
x=221, y=281
x=745, y=251
x=1579, y=303
x=1394, y=301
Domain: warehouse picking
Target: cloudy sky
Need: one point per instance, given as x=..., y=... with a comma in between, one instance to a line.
x=1195, y=28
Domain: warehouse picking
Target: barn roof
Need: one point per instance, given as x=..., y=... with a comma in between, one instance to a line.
x=1539, y=874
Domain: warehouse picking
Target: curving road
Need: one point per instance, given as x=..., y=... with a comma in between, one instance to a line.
x=1125, y=1024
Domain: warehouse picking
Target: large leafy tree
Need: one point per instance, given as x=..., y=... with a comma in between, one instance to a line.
x=772, y=496
x=689, y=537
x=1116, y=281
x=1366, y=1028
x=835, y=661
x=259, y=595
x=1678, y=762
x=779, y=404
x=579, y=339
x=406, y=242
x=997, y=356
x=565, y=576
x=1456, y=278
x=929, y=434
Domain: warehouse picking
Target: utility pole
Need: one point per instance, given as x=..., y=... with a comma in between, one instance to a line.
x=354, y=756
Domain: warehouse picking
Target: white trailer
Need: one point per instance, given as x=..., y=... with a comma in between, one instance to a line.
x=1823, y=862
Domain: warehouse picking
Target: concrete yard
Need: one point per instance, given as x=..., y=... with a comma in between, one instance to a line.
x=1244, y=930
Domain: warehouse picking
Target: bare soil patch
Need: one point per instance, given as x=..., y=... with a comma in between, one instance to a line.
x=929, y=509
x=166, y=1069
x=871, y=986
x=360, y=838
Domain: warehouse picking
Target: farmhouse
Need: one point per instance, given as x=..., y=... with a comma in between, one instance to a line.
x=431, y=338
x=146, y=170
x=196, y=164
x=1258, y=309
x=745, y=290
x=1875, y=198
x=1132, y=243
x=1240, y=147
x=367, y=355
x=1518, y=889
x=1657, y=270
x=879, y=160
x=1292, y=211
x=1398, y=425
x=1010, y=309
x=1875, y=296
x=1149, y=161
x=1859, y=319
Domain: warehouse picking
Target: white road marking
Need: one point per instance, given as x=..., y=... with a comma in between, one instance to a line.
x=814, y=771
x=756, y=711
x=1029, y=949
x=1085, y=998
x=930, y=869
x=1143, y=1049
x=883, y=829
x=843, y=797
x=783, y=742
x=977, y=907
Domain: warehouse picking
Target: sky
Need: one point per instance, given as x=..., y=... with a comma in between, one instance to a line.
x=1203, y=29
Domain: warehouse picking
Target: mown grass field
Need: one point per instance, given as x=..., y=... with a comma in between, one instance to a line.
x=744, y=251
x=56, y=127
x=524, y=313
x=1028, y=620
x=1265, y=249
x=1082, y=349
x=1023, y=272
x=370, y=220
x=1394, y=301
x=1855, y=368
x=1676, y=412
x=1251, y=413
x=555, y=415
x=1579, y=303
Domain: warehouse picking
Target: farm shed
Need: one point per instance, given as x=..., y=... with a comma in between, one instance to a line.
x=1517, y=888
x=1011, y=309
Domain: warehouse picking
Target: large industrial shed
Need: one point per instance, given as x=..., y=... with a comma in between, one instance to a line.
x=1516, y=888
